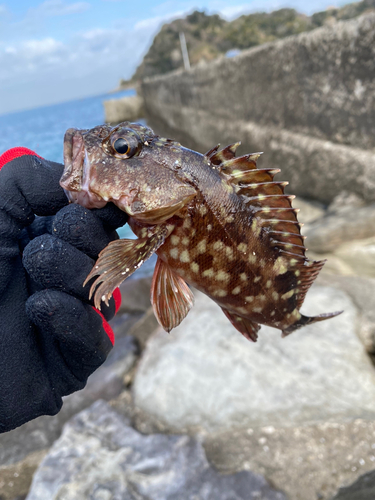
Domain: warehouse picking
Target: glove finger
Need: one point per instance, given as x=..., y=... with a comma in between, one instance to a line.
x=111, y=216
x=55, y=264
x=41, y=225
x=81, y=228
x=74, y=338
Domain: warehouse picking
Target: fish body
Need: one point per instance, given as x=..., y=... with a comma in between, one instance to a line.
x=216, y=222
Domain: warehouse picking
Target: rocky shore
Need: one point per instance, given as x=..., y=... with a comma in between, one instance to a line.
x=204, y=412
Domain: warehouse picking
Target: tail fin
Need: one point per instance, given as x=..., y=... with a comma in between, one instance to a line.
x=306, y=320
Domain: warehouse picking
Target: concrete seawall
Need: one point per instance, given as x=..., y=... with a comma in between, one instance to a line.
x=307, y=101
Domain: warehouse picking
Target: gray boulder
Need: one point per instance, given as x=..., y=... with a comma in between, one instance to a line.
x=124, y=109
x=100, y=457
x=328, y=233
x=362, y=489
x=205, y=375
x=308, y=462
x=362, y=292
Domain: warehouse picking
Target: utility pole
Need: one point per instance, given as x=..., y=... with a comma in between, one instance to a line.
x=184, y=50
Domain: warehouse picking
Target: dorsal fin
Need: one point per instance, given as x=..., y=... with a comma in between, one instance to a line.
x=221, y=157
x=272, y=209
x=212, y=151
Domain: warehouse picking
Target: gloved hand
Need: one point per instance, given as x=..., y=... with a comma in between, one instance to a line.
x=51, y=338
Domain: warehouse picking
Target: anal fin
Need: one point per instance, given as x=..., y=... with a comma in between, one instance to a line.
x=119, y=260
x=171, y=297
x=247, y=327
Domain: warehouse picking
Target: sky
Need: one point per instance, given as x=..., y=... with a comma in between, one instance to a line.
x=56, y=50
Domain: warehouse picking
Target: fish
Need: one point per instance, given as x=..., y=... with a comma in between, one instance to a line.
x=216, y=221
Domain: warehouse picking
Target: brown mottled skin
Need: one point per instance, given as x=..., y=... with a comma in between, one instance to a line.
x=215, y=221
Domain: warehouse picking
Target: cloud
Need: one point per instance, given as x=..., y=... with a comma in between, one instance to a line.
x=51, y=8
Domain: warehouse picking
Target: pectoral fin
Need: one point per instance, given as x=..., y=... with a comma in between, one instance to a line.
x=247, y=327
x=171, y=298
x=119, y=260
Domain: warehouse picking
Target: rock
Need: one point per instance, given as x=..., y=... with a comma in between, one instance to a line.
x=307, y=463
x=359, y=255
x=99, y=456
x=309, y=106
x=124, y=109
x=143, y=329
x=362, y=292
x=15, y=479
x=362, y=489
x=343, y=200
x=205, y=375
x=135, y=295
x=333, y=264
x=328, y=233
x=105, y=383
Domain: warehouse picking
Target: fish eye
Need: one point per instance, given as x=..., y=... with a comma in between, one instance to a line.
x=122, y=143
x=121, y=146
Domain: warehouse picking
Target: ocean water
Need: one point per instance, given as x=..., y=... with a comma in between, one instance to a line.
x=42, y=130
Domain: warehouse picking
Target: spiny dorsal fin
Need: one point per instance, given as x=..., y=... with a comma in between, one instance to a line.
x=212, y=151
x=235, y=166
x=221, y=157
x=273, y=209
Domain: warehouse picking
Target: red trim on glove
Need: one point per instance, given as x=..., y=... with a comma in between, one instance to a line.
x=14, y=153
x=117, y=298
x=107, y=328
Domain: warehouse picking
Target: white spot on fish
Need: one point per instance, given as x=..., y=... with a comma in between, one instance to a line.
x=175, y=240
x=287, y=295
x=185, y=241
x=208, y=273
x=185, y=257
x=275, y=296
x=243, y=276
x=236, y=290
x=242, y=247
x=257, y=309
x=173, y=252
x=194, y=267
x=229, y=252
x=219, y=293
x=222, y=276
x=252, y=258
x=280, y=266
x=256, y=279
x=202, y=210
x=202, y=246
x=218, y=245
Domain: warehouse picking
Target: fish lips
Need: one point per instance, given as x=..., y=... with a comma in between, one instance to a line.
x=77, y=172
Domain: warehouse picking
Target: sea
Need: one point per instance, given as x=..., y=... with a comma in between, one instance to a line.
x=42, y=130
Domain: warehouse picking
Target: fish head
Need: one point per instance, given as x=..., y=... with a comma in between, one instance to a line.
x=128, y=165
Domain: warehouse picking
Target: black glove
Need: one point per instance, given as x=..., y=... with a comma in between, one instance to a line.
x=51, y=337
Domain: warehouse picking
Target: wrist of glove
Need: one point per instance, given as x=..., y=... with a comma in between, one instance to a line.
x=51, y=337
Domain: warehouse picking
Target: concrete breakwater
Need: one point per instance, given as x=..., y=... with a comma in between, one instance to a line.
x=307, y=101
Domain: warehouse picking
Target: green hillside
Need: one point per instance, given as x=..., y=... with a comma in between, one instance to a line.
x=207, y=36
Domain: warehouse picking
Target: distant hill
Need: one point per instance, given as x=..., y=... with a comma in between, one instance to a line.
x=208, y=37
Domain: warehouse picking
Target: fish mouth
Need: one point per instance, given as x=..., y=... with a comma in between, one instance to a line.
x=75, y=179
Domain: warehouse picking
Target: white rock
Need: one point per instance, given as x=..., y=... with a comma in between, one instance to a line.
x=205, y=374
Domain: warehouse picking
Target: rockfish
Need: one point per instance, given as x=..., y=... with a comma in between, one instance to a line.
x=216, y=222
